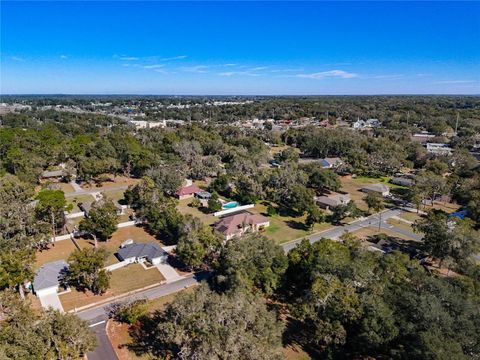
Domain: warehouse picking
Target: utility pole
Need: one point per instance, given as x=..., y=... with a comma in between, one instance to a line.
x=408, y=116
x=456, y=123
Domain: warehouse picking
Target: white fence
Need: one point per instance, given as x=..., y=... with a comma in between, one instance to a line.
x=233, y=210
x=75, y=215
x=119, y=265
x=125, y=224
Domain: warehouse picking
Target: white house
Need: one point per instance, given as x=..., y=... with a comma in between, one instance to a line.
x=151, y=252
x=381, y=189
x=332, y=200
x=439, y=149
x=48, y=278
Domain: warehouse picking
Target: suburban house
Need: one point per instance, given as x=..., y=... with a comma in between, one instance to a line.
x=236, y=225
x=187, y=192
x=366, y=124
x=48, y=278
x=422, y=137
x=439, y=149
x=86, y=207
x=203, y=195
x=134, y=252
x=403, y=181
x=53, y=175
x=329, y=163
x=381, y=189
x=333, y=199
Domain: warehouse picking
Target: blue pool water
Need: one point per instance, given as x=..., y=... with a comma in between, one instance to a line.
x=231, y=205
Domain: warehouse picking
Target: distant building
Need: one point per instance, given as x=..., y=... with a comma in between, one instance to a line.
x=422, y=137
x=151, y=252
x=381, y=189
x=142, y=124
x=329, y=163
x=186, y=192
x=366, y=124
x=439, y=149
x=237, y=225
x=332, y=200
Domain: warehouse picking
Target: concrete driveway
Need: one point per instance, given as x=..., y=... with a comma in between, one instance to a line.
x=51, y=300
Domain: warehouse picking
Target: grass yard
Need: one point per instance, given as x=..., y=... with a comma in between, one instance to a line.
x=115, y=181
x=447, y=207
x=61, y=250
x=184, y=208
x=367, y=232
x=64, y=248
x=66, y=188
x=353, y=187
x=286, y=228
x=126, y=279
x=136, y=233
x=77, y=199
x=410, y=216
x=400, y=224
x=114, y=195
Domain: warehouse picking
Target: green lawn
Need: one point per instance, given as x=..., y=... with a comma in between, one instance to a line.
x=400, y=224
x=75, y=200
x=286, y=228
x=184, y=208
x=115, y=195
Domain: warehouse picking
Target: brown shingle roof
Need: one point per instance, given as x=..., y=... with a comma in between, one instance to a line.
x=187, y=190
x=233, y=224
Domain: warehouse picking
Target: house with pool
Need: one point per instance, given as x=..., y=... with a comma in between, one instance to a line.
x=238, y=224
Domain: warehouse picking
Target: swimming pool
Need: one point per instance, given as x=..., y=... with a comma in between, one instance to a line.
x=230, y=205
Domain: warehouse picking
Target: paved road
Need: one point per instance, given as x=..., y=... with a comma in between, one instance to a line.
x=337, y=231
x=104, y=350
x=99, y=315
x=101, y=312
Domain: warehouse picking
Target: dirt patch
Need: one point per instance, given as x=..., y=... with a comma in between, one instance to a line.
x=120, y=338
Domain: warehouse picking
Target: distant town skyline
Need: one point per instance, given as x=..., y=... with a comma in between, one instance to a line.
x=245, y=48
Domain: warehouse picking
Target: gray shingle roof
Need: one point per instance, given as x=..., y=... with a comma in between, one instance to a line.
x=376, y=187
x=54, y=173
x=49, y=275
x=149, y=251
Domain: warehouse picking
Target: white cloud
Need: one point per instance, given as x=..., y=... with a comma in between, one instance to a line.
x=259, y=68
x=238, y=73
x=17, y=58
x=329, y=74
x=180, y=57
x=154, y=66
x=455, y=82
x=388, y=77
x=63, y=57
x=199, y=69
x=129, y=58
x=285, y=70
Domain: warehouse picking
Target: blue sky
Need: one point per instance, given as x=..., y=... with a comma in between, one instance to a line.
x=240, y=47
